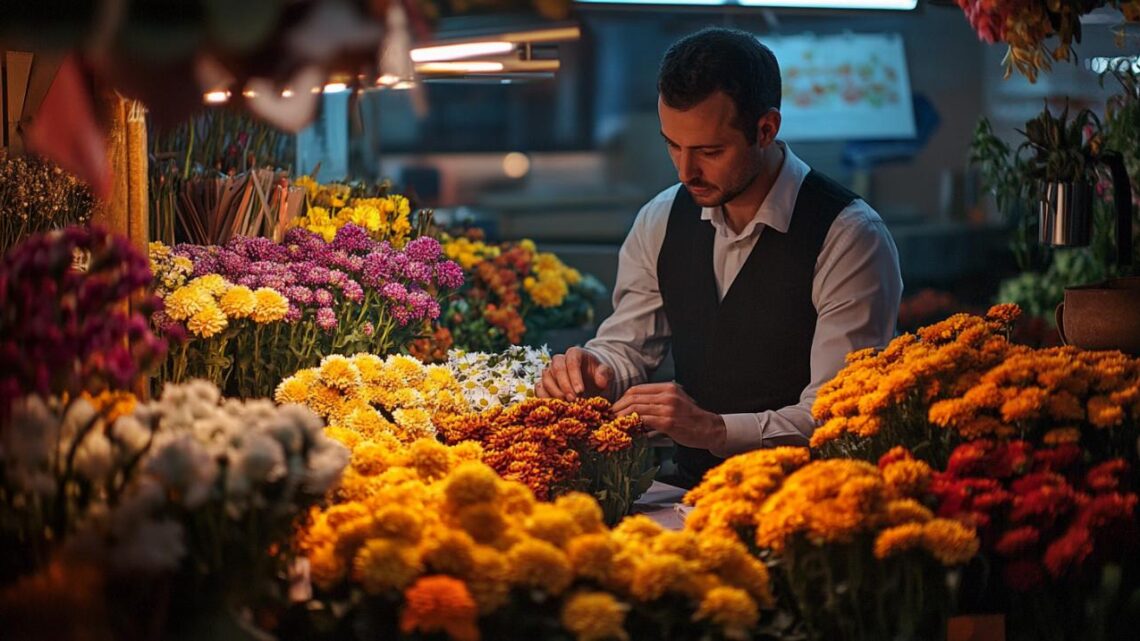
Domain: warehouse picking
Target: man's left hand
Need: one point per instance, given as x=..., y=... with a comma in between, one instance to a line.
x=666, y=408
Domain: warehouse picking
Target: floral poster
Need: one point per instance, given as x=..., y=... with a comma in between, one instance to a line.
x=844, y=87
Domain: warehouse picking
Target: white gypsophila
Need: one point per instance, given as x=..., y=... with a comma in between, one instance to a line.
x=184, y=466
x=502, y=378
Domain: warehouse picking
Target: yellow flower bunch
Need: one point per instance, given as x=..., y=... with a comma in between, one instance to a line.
x=208, y=303
x=468, y=252
x=727, y=497
x=170, y=271
x=369, y=395
x=551, y=280
x=961, y=379
x=407, y=514
x=386, y=218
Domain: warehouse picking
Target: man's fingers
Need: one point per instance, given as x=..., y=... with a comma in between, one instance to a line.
x=575, y=359
x=560, y=378
x=603, y=377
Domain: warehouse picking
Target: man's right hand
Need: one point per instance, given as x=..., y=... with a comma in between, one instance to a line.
x=575, y=374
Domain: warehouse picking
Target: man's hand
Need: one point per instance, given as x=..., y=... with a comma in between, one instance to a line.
x=666, y=408
x=577, y=373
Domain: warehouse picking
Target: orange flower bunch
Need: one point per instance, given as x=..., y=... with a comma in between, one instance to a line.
x=962, y=379
x=868, y=526
x=448, y=545
x=553, y=446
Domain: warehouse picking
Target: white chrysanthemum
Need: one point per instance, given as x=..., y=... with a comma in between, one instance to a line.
x=131, y=435
x=94, y=457
x=185, y=467
x=259, y=458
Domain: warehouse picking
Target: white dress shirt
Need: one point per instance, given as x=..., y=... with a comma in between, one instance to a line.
x=855, y=290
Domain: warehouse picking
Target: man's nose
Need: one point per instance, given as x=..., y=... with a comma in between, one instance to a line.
x=687, y=167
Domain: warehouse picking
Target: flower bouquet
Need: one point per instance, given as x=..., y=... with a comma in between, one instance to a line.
x=1026, y=26
x=1059, y=535
x=182, y=504
x=961, y=379
x=555, y=446
x=257, y=311
x=73, y=307
x=369, y=395
x=424, y=539
x=35, y=197
x=855, y=547
x=503, y=378
x=513, y=294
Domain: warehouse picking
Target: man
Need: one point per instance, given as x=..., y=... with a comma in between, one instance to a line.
x=760, y=273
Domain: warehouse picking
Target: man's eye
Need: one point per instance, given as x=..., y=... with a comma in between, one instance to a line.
x=711, y=153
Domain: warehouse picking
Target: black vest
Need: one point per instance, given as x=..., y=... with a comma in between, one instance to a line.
x=751, y=351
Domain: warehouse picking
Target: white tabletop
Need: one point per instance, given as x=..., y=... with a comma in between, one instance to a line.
x=660, y=503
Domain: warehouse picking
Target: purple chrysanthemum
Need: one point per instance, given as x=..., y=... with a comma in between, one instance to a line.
x=326, y=319
x=425, y=249
x=352, y=238
x=323, y=297
x=448, y=274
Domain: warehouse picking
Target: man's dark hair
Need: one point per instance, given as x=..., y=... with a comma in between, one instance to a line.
x=728, y=60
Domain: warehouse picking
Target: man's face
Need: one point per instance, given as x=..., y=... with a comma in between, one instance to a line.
x=713, y=158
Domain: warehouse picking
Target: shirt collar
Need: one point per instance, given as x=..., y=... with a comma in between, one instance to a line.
x=776, y=210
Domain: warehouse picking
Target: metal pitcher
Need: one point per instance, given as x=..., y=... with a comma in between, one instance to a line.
x=1066, y=213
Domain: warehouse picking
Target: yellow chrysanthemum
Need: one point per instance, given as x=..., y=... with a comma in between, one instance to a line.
x=214, y=284
x=450, y=552
x=595, y=616
x=208, y=321
x=326, y=567
x=731, y=609
x=431, y=459
x=471, y=483
x=467, y=451
x=540, y=565
x=370, y=367
x=325, y=401
x=340, y=373
x=489, y=579
x=367, y=422
x=292, y=390
x=949, y=541
x=898, y=539
x=656, y=575
x=1062, y=435
x=907, y=478
x=551, y=524
x=415, y=421
x=410, y=370
x=906, y=511
x=238, y=302
x=483, y=521
x=592, y=555
x=382, y=565
x=271, y=306
x=186, y=301
x=399, y=523
x=583, y=509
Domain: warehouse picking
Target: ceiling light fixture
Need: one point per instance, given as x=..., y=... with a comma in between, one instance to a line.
x=438, y=53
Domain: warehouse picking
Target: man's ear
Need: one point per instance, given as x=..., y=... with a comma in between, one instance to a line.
x=768, y=127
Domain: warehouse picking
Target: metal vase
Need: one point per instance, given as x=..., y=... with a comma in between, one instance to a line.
x=1066, y=214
